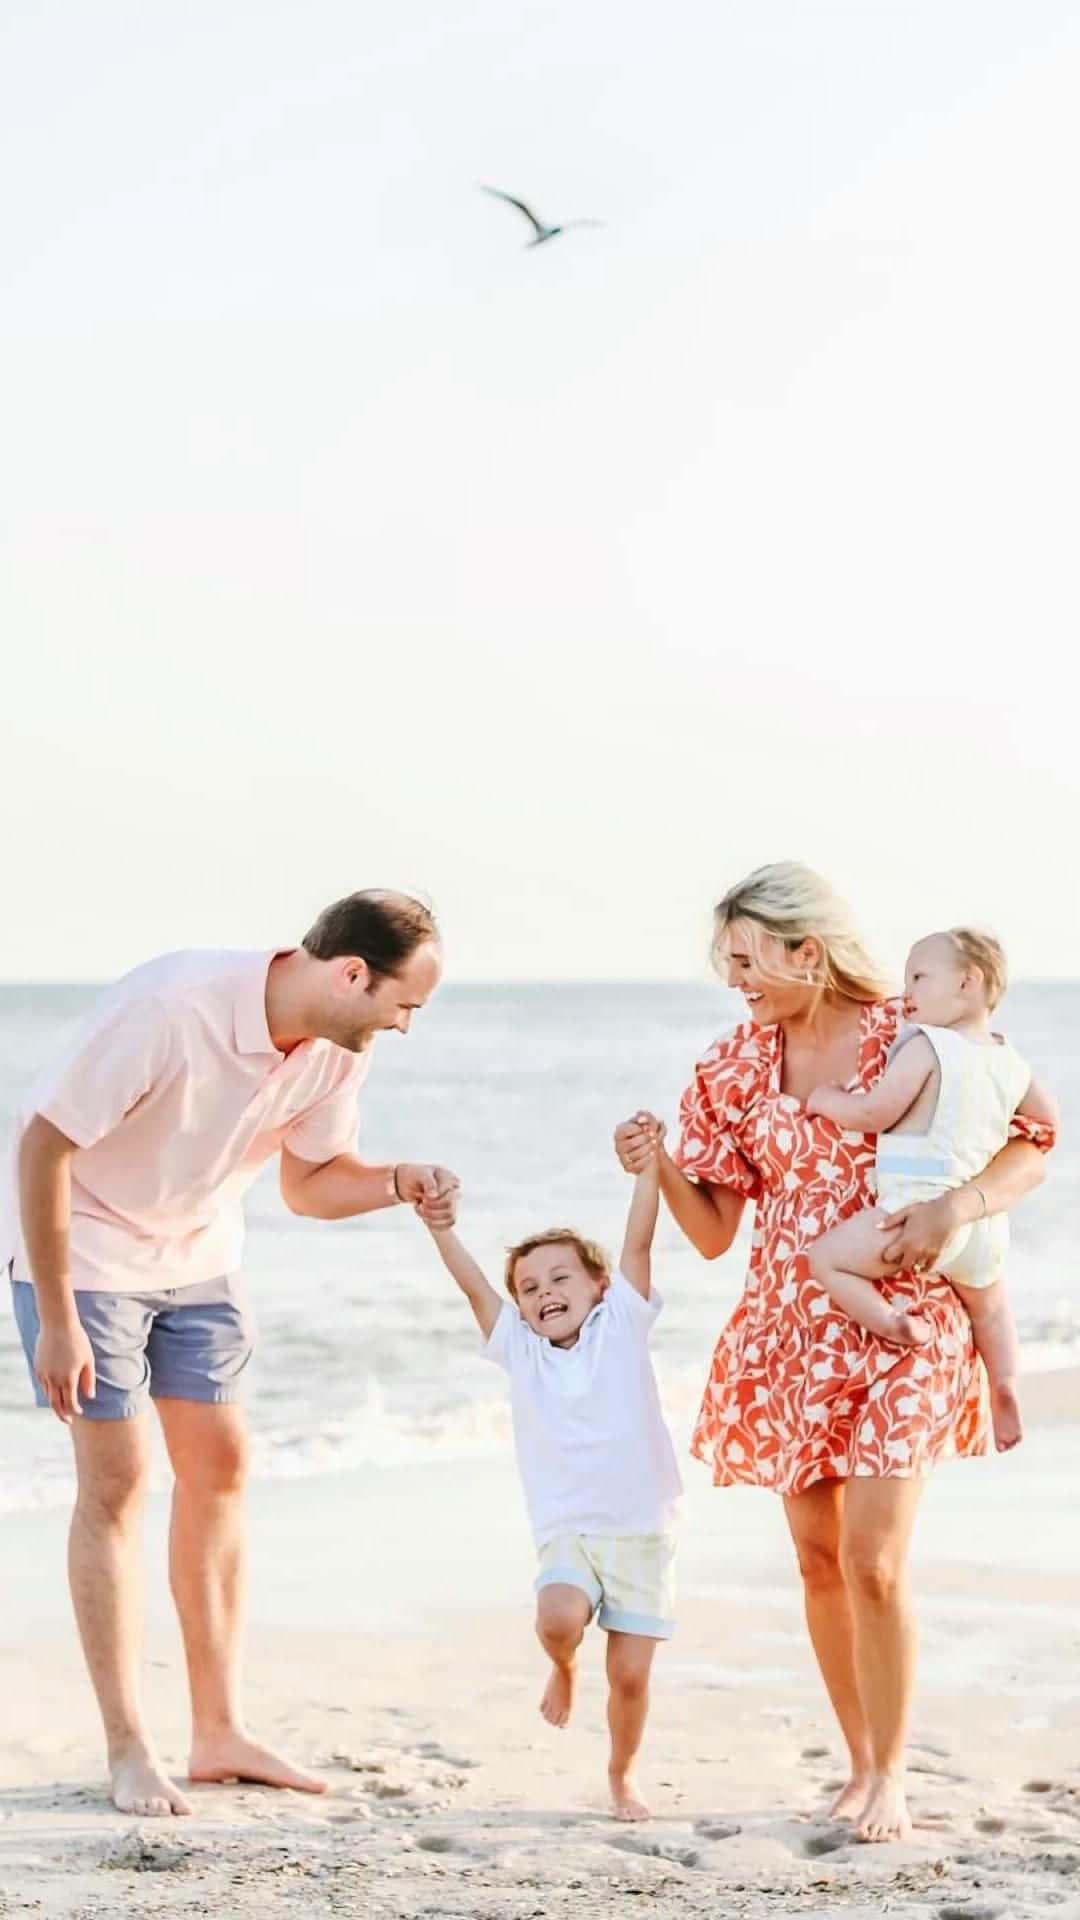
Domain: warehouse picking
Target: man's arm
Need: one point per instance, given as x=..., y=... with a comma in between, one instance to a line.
x=63, y=1357
x=339, y=1188
x=635, y=1260
x=885, y=1104
x=480, y=1294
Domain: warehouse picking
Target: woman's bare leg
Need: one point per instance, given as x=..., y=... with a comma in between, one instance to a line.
x=815, y=1519
x=875, y=1535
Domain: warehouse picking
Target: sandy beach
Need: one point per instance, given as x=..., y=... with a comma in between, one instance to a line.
x=391, y=1647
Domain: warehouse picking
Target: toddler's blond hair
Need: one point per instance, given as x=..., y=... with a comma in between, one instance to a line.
x=983, y=951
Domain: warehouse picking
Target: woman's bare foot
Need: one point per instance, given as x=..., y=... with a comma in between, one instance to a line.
x=885, y=1816
x=1005, y=1412
x=140, y=1785
x=851, y=1800
x=232, y=1756
x=910, y=1330
x=557, y=1703
x=626, y=1801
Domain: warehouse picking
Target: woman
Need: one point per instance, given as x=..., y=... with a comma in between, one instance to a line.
x=800, y=1399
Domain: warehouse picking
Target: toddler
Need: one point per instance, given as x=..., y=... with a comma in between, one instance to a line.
x=595, y=1457
x=942, y=1111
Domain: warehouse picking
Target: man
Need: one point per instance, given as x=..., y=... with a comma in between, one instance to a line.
x=133, y=1156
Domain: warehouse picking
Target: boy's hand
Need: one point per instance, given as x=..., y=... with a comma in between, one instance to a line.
x=638, y=1142
x=433, y=1191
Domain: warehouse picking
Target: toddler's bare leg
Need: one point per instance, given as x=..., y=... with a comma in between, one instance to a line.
x=562, y=1614
x=846, y=1262
x=629, y=1661
x=994, y=1329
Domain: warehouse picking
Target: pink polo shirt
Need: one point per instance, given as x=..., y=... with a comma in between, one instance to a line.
x=175, y=1096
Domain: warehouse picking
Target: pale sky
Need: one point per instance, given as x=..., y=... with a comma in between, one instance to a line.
x=347, y=542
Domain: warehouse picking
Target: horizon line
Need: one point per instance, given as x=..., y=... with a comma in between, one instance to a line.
x=536, y=980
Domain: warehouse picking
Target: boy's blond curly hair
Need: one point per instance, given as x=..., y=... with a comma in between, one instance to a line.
x=593, y=1258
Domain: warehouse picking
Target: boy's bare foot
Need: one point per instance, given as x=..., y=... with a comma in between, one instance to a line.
x=1005, y=1412
x=626, y=1801
x=885, y=1816
x=851, y=1800
x=230, y=1755
x=558, y=1701
x=140, y=1785
x=910, y=1330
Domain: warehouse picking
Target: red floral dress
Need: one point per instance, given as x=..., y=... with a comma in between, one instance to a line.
x=798, y=1392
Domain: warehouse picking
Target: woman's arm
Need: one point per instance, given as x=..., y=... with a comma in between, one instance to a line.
x=916, y=1235
x=709, y=1216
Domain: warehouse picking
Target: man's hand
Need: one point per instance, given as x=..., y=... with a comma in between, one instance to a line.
x=433, y=1191
x=64, y=1363
x=638, y=1141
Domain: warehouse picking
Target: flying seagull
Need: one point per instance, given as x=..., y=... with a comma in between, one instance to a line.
x=542, y=232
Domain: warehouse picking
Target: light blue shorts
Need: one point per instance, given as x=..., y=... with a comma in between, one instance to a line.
x=184, y=1343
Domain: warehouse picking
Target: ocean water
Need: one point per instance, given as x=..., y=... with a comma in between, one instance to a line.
x=367, y=1353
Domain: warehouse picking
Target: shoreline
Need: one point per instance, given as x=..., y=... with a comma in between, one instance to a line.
x=392, y=1647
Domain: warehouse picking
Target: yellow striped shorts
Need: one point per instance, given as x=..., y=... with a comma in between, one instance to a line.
x=628, y=1579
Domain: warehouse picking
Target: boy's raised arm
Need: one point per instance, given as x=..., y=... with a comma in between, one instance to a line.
x=480, y=1294
x=635, y=1260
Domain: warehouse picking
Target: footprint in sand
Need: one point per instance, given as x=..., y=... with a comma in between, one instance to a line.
x=435, y=1842
x=830, y=1841
x=434, y=1750
x=140, y=1855
x=657, y=1850
x=1044, y=1786
x=974, y=1910
x=814, y=1753
x=991, y=1823
x=716, y=1829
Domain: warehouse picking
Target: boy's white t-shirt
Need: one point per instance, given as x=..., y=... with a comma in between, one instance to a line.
x=593, y=1450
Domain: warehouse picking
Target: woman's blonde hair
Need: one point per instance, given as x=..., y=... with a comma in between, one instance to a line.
x=794, y=903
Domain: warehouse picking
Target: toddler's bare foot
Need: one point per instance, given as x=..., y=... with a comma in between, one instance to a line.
x=230, y=1755
x=626, y=1801
x=140, y=1785
x=885, y=1816
x=558, y=1699
x=851, y=1800
x=910, y=1330
x=1005, y=1411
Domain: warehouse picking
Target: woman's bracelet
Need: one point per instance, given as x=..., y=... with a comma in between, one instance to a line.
x=982, y=1196
x=398, y=1195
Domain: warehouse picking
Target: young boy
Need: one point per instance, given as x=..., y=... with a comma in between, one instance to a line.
x=595, y=1456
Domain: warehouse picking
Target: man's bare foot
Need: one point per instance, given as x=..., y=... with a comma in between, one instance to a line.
x=910, y=1330
x=626, y=1801
x=851, y=1799
x=140, y=1785
x=232, y=1756
x=885, y=1816
x=1005, y=1411
x=558, y=1700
